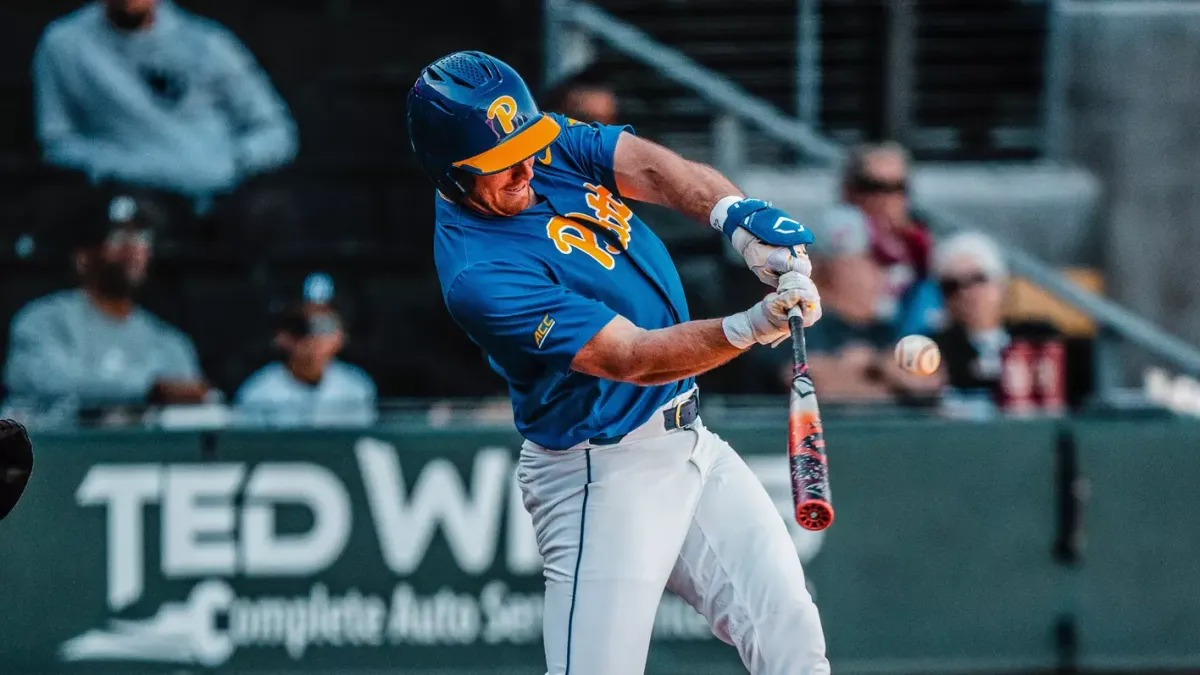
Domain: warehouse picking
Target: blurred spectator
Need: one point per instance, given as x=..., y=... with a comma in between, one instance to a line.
x=973, y=277
x=850, y=348
x=586, y=96
x=875, y=194
x=147, y=94
x=95, y=343
x=309, y=387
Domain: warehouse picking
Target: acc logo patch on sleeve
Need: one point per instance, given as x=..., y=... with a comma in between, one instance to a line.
x=543, y=329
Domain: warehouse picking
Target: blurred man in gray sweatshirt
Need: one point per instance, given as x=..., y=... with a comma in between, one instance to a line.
x=94, y=344
x=145, y=93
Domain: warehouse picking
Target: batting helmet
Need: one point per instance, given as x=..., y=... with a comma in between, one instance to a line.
x=471, y=113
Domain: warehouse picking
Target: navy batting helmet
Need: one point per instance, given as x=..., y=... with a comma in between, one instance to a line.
x=471, y=113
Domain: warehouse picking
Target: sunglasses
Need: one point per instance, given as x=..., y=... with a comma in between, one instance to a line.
x=876, y=186
x=323, y=324
x=952, y=285
x=126, y=236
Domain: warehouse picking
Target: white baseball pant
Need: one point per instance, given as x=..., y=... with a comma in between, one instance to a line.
x=680, y=509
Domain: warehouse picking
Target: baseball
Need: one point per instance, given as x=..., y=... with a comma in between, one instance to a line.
x=918, y=354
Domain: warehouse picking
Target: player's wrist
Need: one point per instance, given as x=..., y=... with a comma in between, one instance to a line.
x=720, y=212
x=739, y=331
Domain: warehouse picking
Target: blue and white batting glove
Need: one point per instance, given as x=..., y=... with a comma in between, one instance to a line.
x=771, y=242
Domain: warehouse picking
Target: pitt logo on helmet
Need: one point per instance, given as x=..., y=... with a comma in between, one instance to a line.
x=503, y=109
x=518, y=145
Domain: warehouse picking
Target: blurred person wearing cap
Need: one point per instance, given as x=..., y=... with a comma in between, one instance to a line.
x=310, y=386
x=850, y=349
x=586, y=96
x=973, y=278
x=875, y=195
x=95, y=343
x=147, y=94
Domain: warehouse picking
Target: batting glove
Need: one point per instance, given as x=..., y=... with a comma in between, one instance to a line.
x=768, y=262
x=766, y=323
x=771, y=242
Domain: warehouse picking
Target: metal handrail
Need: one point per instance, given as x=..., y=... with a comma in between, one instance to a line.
x=723, y=93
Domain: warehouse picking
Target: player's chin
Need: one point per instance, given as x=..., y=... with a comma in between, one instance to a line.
x=512, y=204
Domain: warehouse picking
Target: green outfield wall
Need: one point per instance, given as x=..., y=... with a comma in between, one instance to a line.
x=957, y=547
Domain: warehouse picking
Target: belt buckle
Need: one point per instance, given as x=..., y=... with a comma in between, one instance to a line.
x=678, y=413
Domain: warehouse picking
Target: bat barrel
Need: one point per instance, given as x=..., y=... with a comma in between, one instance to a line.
x=809, y=473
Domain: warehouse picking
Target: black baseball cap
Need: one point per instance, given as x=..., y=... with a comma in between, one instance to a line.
x=99, y=213
x=304, y=319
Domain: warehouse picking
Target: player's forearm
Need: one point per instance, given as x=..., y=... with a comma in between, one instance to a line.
x=680, y=351
x=626, y=353
x=649, y=172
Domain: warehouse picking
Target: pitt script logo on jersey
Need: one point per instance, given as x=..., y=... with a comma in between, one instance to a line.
x=543, y=329
x=569, y=234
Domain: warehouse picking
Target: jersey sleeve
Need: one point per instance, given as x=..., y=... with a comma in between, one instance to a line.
x=591, y=147
x=519, y=315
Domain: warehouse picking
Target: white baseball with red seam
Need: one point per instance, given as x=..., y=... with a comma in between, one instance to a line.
x=918, y=354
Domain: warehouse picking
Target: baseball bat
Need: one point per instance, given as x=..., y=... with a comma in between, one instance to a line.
x=806, y=439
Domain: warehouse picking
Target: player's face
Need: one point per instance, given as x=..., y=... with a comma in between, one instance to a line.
x=505, y=193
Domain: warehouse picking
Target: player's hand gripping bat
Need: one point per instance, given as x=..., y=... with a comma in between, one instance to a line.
x=806, y=439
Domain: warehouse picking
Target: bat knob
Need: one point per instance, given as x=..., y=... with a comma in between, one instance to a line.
x=814, y=514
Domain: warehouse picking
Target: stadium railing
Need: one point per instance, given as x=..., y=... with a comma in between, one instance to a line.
x=736, y=107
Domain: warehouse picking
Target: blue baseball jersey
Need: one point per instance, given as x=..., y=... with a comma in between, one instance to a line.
x=533, y=288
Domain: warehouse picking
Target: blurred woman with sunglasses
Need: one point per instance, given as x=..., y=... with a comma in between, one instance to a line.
x=973, y=278
x=875, y=182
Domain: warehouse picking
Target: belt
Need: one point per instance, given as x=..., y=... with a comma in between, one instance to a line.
x=677, y=416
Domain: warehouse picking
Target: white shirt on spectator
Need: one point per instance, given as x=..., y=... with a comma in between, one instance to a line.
x=272, y=396
x=181, y=105
x=62, y=345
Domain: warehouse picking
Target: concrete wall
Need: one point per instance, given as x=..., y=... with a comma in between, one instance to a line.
x=1127, y=107
x=1047, y=211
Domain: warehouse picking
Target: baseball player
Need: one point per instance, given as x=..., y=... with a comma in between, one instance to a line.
x=579, y=307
